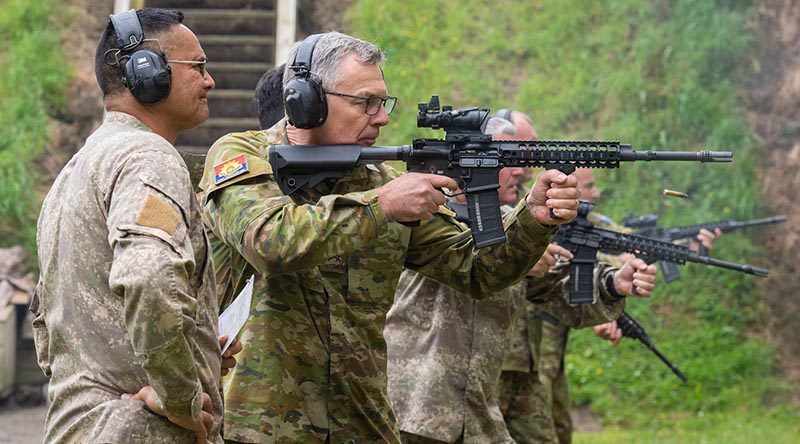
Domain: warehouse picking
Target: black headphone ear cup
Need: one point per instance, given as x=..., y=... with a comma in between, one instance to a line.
x=148, y=76
x=305, y=103
x=303, y=97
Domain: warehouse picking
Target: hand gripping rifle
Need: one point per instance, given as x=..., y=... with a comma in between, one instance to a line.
x=647, y=226
x=467, y=155
x=632, y=329
x=584, y=240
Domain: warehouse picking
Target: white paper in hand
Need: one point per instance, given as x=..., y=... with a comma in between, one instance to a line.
x=235, y=316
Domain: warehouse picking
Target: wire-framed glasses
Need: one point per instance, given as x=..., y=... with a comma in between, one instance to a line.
x=371, y=104
x=201, y=64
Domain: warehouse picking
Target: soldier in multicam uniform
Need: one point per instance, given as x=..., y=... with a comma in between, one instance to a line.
x=445, y=349
x=555, y=334
x=125, y=308
x=328, y=259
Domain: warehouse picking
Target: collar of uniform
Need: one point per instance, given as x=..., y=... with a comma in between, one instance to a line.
x=125, y=119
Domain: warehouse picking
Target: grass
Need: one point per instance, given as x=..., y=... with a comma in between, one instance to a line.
x=739, y=426
x=658, y=74
x=33, y=81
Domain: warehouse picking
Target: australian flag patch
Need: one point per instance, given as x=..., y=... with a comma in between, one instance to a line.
x=229, y=169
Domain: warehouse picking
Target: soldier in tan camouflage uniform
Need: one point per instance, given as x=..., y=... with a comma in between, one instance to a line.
x=328, y=259
x=125, y=309
x=445, y=349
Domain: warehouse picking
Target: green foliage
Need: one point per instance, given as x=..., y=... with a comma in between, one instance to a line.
x=33, y=80
x=739, y=426
x=656, y=74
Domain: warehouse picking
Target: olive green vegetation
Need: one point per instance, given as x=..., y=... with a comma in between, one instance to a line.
x=655, y=74
x=33, y=81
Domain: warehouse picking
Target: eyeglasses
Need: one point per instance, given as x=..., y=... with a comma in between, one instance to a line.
x=371, y=104
x=200, y=64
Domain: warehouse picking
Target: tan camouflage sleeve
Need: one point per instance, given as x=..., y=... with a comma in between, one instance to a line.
x=152, y=263
x=276, y=235
x=443, y=251
x=551, y=294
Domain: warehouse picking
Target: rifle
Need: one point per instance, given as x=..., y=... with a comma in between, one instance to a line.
x=467, y=155
x=584, y=240
x=647, y=226
x=632, y=329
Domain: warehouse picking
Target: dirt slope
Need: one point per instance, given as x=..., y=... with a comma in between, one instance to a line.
x=772, y=97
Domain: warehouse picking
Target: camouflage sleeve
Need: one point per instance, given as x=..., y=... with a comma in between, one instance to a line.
x=443, y=251
x=551, y=294
x=148, y=206
x=276, y=235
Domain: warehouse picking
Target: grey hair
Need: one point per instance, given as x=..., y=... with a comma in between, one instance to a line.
x=329, y=52
x=497, y=126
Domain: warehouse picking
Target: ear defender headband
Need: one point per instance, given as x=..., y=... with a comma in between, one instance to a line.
x=145, y=73
x=505, y=113
x=303, y=97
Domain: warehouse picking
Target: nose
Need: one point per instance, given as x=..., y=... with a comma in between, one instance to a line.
x=381, y=118
x=209, y=81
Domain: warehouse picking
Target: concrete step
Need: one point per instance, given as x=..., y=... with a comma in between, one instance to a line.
x=232, y=103
x=214, y=128
x=239, y=48
x=210, y=4
x=230, y=21
x=234, y=75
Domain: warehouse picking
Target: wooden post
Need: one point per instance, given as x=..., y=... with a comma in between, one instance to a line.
x=121, y=6
x=285, y=29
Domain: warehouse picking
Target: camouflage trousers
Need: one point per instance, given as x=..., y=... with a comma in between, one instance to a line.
x=410, y=438
x=554, y=379
x=523, y=402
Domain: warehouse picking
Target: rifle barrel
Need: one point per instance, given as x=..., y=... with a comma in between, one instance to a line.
x=702, y=156
x=744, y=268
x=757, y=222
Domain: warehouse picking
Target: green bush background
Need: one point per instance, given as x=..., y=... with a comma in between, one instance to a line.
x=33, y=80
x=655, y=74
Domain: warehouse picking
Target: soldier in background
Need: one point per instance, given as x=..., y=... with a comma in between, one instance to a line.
x=554, y=334
x=445, y=349
x=125, y=310
x=268, y=98
x=523, y=398
x=327, y=260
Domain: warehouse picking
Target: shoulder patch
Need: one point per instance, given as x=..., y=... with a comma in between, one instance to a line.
x=228, y=169
x=156, y=213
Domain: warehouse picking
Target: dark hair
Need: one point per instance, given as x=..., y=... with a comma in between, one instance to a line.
x=269, y=97
x=154, y=23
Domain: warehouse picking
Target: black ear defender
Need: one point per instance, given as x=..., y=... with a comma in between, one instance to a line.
x=303, y=97
x=146, y=74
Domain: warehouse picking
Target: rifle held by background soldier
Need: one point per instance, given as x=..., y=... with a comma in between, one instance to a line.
x=647, y=225
x=632, y=329
x=584, y=240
